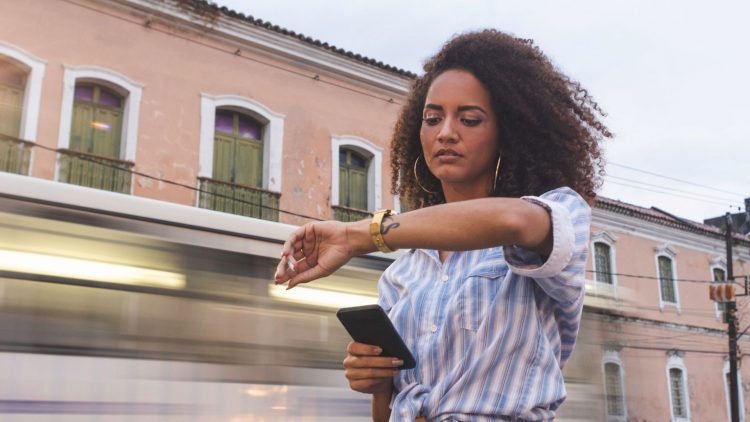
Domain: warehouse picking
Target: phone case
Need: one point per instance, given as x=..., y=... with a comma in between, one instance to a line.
x=369, y=324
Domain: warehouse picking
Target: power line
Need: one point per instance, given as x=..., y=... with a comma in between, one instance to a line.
x=675, y=179
x=670, y=193
x=672, y=189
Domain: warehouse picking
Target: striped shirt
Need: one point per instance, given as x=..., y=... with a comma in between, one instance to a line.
x=492, y=328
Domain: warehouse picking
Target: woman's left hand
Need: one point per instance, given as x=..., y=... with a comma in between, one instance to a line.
x=316, y=250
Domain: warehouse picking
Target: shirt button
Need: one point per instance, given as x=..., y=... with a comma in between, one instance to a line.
x=445, y=277
x=433, y=328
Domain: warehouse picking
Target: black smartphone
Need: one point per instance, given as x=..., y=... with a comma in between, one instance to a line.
x=369, y=324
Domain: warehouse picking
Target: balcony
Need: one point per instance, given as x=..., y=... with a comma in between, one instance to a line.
x=347, y=214
x=15, y=154
x=239, y=199
x=94, y=171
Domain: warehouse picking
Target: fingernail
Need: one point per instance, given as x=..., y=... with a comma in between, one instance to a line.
x=397, y=362
x=377, y=350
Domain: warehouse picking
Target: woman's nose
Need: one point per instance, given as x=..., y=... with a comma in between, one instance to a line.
x=447, y=133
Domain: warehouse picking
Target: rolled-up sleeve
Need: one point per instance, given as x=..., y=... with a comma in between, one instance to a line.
x=561, y=274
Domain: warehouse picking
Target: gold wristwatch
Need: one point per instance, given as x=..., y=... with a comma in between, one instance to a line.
x=376, y=226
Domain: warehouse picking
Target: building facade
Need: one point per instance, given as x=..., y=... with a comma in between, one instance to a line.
x=144, y=119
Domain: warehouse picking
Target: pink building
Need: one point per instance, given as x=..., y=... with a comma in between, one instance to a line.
x=199, y=117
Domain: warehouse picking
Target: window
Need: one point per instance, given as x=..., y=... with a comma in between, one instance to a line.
x=740, y=394
x=602, y=262
x=614, y=387
x=97, y=121
x=20, y=91
x=679, y=400
x=238, y=149
x=666, y=280
x=98, y=128
x=665, y=268
x=719, y=275
x=356, y=178
x=352, y=179
x=21, y=75
x=12, y=86
x=240, y=157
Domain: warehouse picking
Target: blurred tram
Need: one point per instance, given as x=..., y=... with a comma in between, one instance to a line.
x=114, y=307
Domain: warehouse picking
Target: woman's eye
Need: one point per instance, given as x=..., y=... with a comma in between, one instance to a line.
x=471, y=122
x=431, y=120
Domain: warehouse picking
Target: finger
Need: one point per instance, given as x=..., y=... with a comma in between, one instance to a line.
x=310, y=245
x=298, y=255
x=312, y=273
x=293, y=238
x=370, y=386
x=362, y=349
x=369, y=373
x=352, y=361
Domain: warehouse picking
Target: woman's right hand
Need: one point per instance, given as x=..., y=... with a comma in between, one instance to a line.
x=368, y=372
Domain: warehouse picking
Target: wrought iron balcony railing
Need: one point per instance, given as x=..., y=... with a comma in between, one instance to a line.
x=347, y=214
x=239, y=199
x=15, y=154
x=94, y=171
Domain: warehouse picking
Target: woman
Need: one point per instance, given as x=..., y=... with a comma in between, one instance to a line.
x=499, y=153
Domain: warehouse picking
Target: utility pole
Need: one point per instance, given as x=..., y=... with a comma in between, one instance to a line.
x=731, y=318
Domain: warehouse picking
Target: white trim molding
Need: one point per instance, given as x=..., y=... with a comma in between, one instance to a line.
x=273, y=135
x=131, y=91
x=719, y=263
x=666, y=250
x=675, y=360
x=611, y=356
x=725, y=373
x=374, y=168
x=32, y=94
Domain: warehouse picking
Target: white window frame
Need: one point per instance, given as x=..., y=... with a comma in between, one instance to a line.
x=724, y=374
x=614, y=357
x=374, y=170
x=32, y=94
x=668, y=251
x=717, y=263
x=273, y=135
x=609, y=240
x=676, y=361
x=130, y=90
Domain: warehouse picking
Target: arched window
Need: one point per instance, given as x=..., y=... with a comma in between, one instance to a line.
x=665, y=268
x=740, y=394
x=603, y=262
x=356, y=178
x=614, y=387
x=666, y=280
x=12, y=87
x=96, y=127
x=679, y=400
x=352, y=179
x=238, y=149
x=719, y=275
x=240, y=157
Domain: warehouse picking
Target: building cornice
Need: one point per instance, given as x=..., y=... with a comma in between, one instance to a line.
x=270, y=41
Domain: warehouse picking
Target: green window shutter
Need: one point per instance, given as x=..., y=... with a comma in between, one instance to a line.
x=223, y=157
x=11, y=107
x=358, y=189
x=343, y=186
x=81, y=132
x=248, y=163
x=107, y=132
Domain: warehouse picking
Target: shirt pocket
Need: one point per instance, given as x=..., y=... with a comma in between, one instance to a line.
x=476, y=296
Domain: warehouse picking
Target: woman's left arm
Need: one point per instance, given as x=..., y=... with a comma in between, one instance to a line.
x=318, y=249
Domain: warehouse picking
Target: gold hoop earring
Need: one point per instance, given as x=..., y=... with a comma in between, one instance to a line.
x=497, y=174
x=417, y=177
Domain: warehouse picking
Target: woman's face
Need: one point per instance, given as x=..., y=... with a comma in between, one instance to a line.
x=459, y=135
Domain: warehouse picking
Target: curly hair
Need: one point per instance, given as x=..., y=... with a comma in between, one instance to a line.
x=548, y=125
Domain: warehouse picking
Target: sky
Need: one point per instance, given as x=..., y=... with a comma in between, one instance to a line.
x=672, y=77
